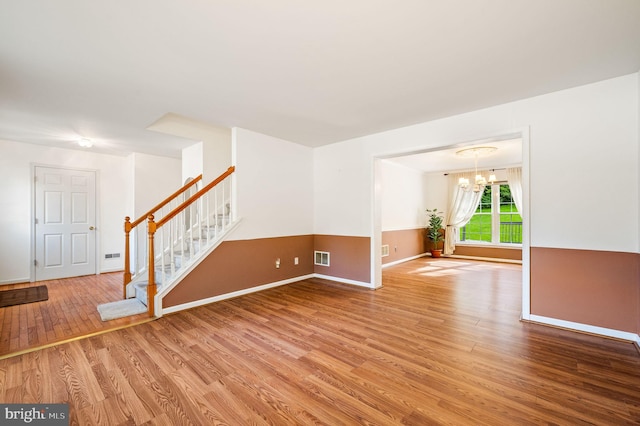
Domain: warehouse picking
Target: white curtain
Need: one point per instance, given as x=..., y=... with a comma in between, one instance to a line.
x=514, y=178
x=462, y=205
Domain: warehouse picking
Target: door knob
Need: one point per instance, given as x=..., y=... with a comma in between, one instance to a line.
x=91, y=228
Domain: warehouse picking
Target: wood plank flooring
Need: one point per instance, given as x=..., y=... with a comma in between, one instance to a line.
x=71, y=311
x=440, y=343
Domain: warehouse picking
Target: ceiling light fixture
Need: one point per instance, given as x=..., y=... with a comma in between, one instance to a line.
x=480, y=181
x=85, y=142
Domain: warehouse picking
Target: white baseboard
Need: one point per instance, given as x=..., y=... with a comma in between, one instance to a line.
x=343, y=280
x=110, y=270
x=231, y=295
x=18, y=281
x=592, y=329
x=406, y=259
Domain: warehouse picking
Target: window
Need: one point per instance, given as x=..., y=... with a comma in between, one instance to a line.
x=496, y=220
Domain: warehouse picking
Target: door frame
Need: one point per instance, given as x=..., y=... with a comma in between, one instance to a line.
x=32, y=257
x=376, y=220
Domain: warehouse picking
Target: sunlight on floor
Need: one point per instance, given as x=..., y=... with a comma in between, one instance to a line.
x=440, y=268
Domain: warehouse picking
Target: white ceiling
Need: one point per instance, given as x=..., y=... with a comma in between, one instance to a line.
x=311, y=72
x=508, y=153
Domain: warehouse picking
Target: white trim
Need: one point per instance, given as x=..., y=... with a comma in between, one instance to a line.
x=110, y=270
x=160, y=311
x=18, y=281
x=410, y=228
x=526, y=226
x=231, y=295
x=375, y=241
x=343, y=280
x=406, y=259
x=608, y=332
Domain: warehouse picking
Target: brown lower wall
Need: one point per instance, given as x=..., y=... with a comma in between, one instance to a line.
x=407, y=243
x=489, y=252
x=404, y=244
x=243, y=264
x=598, y=288
x=350, y=257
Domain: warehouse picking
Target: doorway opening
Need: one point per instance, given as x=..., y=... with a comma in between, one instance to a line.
x=437, y=155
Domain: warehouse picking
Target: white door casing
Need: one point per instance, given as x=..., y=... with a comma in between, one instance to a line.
x=65, y=220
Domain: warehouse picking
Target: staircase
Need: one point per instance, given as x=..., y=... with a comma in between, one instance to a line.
x=181, y=231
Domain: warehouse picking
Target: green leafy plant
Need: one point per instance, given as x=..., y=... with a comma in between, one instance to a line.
x=434, y=231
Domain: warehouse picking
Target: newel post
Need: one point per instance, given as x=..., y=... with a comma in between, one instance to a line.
x=127, y=265
x=151, y=287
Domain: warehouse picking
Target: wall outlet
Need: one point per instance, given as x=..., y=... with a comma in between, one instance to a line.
x=295, y=260
x=277, y=263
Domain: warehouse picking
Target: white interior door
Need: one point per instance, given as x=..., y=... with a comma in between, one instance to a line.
x=65, y=220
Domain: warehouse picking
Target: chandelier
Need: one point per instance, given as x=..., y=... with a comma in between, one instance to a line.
x=480, y=181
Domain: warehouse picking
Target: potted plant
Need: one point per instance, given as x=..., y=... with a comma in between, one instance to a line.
x=435, y=231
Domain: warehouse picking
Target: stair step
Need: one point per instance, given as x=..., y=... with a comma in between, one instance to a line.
x=141, y=291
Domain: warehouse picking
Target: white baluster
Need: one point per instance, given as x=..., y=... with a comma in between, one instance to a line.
x=172, y=253
x=161, y=252
x=205, y=212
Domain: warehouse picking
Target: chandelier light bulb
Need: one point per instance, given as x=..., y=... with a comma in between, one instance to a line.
x=480, y=181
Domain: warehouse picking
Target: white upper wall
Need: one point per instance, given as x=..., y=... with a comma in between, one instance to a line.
x=403, y=194
x=342, y=189
x=274, y=186
x=437, y=185
x=16, y=161
x=584, y=166
x=154, y=179
x=216, y=157
x=115, y=190
x=192, y=161
x=583, y=162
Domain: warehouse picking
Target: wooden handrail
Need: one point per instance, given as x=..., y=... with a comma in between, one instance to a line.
x=194, y=197
x=165, y=202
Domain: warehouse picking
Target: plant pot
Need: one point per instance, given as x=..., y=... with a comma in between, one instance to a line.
x=436, y=253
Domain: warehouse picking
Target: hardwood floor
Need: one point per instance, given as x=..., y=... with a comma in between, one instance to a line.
x=440, y=343
x=70, y=312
